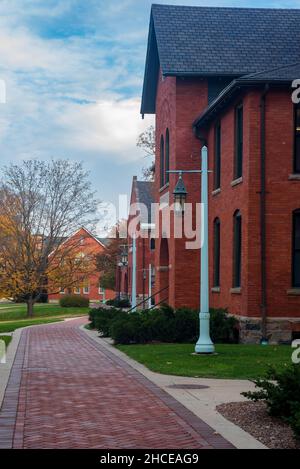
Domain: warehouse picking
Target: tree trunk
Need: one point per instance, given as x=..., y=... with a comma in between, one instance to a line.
x=30, y=304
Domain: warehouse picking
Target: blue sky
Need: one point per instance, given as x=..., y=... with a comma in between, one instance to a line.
x=73, y=71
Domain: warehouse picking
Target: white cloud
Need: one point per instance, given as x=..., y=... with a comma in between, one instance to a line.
x=109, y=128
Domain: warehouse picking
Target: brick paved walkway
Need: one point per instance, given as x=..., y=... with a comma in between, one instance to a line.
x=67, y=391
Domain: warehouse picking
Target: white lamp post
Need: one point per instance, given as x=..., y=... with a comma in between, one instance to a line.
x=204, y=344
x=150, y=287
x=133, y=285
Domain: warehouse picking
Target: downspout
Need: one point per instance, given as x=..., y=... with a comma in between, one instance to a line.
x=264, y=313
x=144, y=270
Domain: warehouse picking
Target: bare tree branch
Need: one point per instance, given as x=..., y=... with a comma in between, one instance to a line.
x=41, y=205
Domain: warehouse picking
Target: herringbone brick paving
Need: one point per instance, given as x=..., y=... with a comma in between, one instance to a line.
x=67, y=391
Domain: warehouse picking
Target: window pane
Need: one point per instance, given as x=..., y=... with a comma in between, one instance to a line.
x=297, y=231
x=296, y=250
x=297, y=269
x=217, y=253
x=237, y=251
x=162, y=162
x=297, y=140
x=238, y=170
x=167, y=156
x=217, y=178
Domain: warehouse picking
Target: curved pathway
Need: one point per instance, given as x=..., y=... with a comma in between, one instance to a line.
x=67, y=391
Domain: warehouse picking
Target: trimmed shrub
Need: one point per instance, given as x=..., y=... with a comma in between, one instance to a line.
x=224, y=328
x=281, y=392
x=102, y=319
x=186, y=325
x=294, y=421
x=161, y=325
x=119, y=303
x=130, y=329
x=74, y=301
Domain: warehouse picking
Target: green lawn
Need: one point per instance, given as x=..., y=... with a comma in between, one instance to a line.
x=14, y=316
x=15, y=312
x=13, y=325
x=232, y=361
x=7, y=339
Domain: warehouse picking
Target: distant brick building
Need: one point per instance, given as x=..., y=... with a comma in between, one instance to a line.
x=87, y=245
x=222, y=77
x=142, y=198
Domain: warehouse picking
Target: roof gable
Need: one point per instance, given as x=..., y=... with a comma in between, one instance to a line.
x=142, y=194
x=205, y=41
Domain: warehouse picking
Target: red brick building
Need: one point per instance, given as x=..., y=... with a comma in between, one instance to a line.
x=86, y=245
x=222, y=77
x=139, y=222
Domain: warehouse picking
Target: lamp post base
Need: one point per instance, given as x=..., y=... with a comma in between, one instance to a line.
x=204, y=344
x=205, y=349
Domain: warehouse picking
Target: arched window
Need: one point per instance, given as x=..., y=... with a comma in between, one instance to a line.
x=162, y=162
x=237, y=249
x=297, y=140
x=152, y=244
x=296, y=249
x=217, y=251
x=167, y=156
x=217, y=169
x=239, y=142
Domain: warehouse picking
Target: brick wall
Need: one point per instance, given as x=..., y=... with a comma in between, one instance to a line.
x=283, y=196
x=179, y=101
x=178, y=104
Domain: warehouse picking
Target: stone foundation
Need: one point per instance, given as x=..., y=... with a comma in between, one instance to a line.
x=279, y=330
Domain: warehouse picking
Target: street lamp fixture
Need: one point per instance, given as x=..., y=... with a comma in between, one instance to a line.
x=124, y=258
x=180, y=195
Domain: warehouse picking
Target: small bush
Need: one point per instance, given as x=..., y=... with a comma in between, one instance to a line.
x=160, y=324
x=281, y=392
x=224, y=328
x=294, y=421
x=130, y=329
x=74, y=301
x=119, y=303
x=186, y=326
x=102, y=319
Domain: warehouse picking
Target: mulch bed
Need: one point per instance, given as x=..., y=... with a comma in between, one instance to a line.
x=254, y=419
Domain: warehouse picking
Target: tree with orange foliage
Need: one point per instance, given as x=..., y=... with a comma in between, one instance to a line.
x=41, y=205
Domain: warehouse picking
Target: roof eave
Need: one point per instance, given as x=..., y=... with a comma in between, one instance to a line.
x=151, y=67
x=200, y=74
x=228, y=94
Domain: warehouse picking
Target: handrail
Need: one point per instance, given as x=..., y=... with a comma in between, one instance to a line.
x=149, y=297
x=157, y=304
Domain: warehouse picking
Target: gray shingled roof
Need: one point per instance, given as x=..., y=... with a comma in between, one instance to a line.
x=145, y=196
x=207, y=41
x=287, y=73
x=104, y=241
